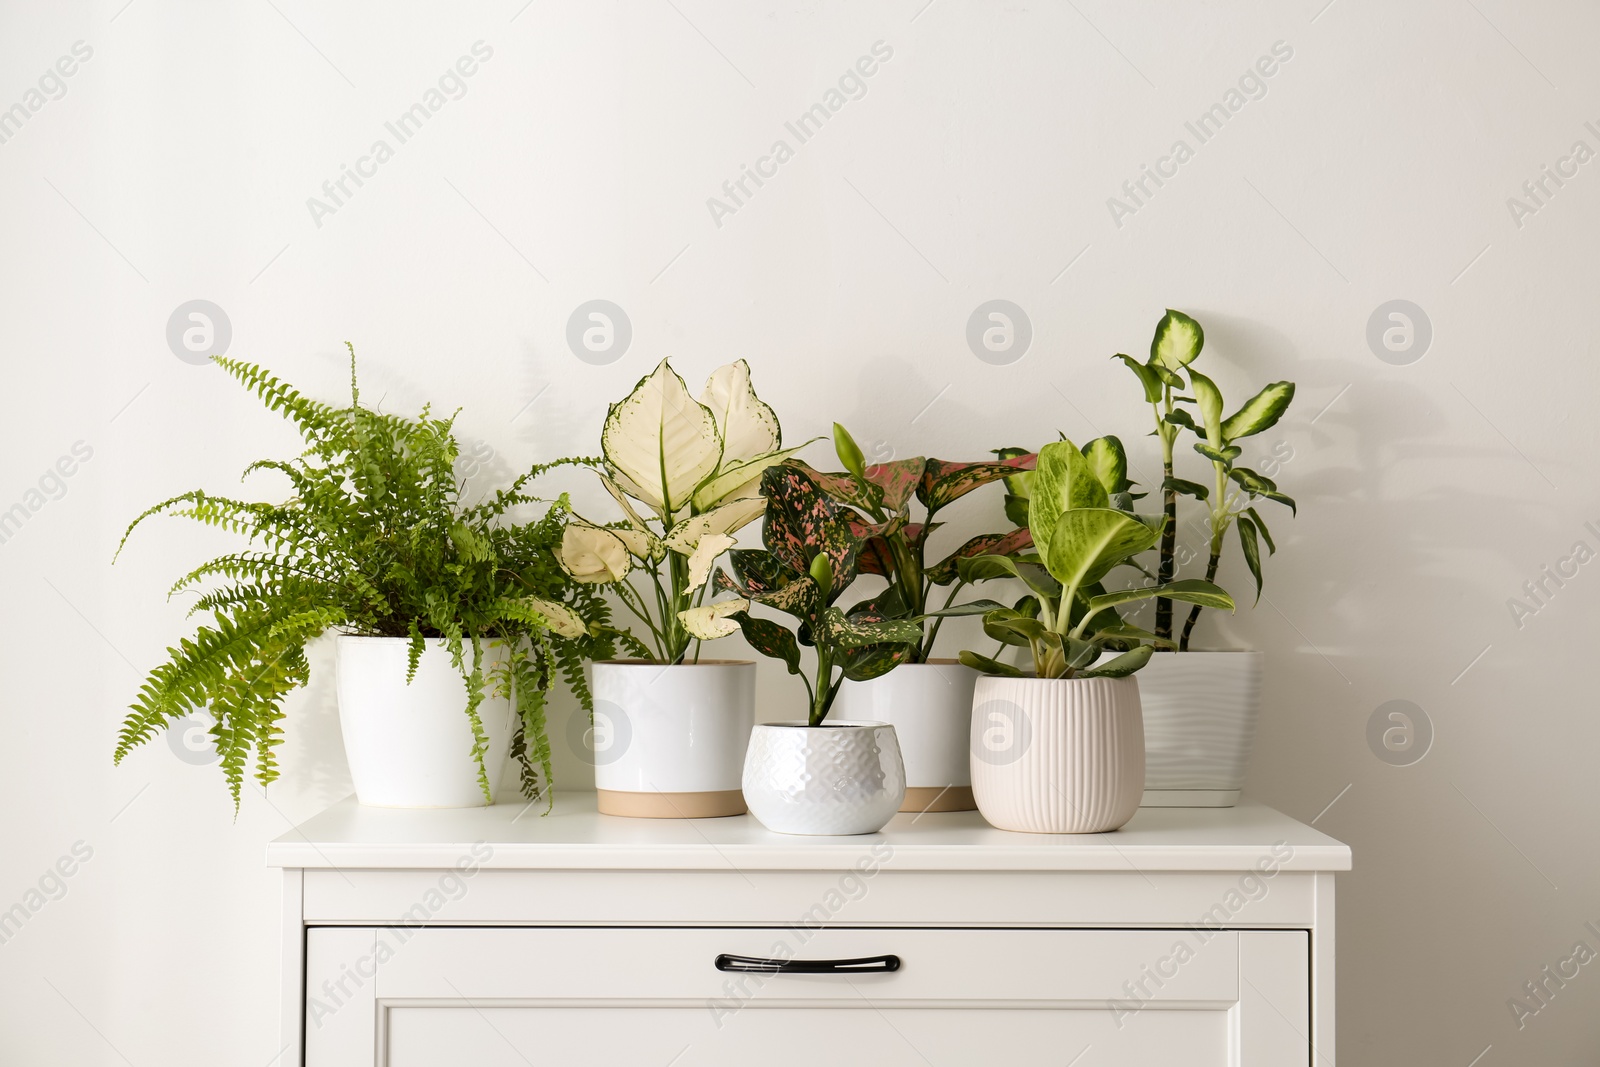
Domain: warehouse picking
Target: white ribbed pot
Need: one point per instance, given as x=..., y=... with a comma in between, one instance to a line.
x=930, y=707
x=669, y=741
x=1057, y=755
x=843, y=777
x=410, y=746
x=1200, y=712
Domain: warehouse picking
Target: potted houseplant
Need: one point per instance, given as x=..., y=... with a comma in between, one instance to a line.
x=928, y=700
x=1061, y=749
x=1200, y=708
x=686, y=475
x=814, y=775
x=452, y=623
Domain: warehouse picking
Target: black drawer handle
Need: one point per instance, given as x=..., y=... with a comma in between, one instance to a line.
x=757, y=965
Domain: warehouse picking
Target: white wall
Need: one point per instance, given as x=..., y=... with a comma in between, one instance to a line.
x=178, y=163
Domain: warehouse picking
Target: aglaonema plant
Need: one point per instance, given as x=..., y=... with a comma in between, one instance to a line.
x=811, y=557
x=1231, y=497
x=894, y=546
x=694, y=467
x=1069, y=618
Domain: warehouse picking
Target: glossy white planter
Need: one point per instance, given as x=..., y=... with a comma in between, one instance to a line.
x=1058, y=755
x=669, y=741
x=1200, y=712
x=930, y=707
x=410, y=746
x=843, y=777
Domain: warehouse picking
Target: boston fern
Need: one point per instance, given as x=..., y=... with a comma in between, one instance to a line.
x=375, y=541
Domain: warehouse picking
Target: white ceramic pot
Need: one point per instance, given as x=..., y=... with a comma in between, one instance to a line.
x=1200, y=711
x=930, y=707
x=410, y=746
x=1057, y=755
x=843, y=777
x=669, y=741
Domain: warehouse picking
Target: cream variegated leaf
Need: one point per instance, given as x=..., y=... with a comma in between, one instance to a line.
x=741, y=479
x=726, y=518
x=562, y=619
x=659, y=443
x=594, y=554
x=749, y=428
x=628, y=509
x=711, y=621
x=704, y=555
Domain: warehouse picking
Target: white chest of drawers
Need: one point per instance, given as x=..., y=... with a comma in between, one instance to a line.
x=496, y=936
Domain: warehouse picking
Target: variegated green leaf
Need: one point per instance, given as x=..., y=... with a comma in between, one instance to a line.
x=802, y=522
x=1088, y=542
x=1177, y=341
x=1260, y=412
x=770, y=639
x=739, y=479
x=711, y=621
x=728, y=518
x=1006, y=544
x=1147, y=378
x=1062, y=481
x=1209, y=400
x=1123, y=665
x=1108, y=461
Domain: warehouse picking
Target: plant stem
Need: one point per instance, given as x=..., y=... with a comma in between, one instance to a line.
x=933, y=634
x=1169, y=524
x=1221, y=516
x=824, y=688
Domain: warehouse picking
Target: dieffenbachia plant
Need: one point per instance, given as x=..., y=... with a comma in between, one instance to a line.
x=1177, y=342
x=895, y=547
x=694, y=467
x=1079, y=538
x=812, y=554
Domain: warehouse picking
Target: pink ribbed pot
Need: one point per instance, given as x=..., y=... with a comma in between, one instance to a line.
x=1057, y=755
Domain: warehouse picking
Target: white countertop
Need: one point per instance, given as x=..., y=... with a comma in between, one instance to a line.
x=575, y=837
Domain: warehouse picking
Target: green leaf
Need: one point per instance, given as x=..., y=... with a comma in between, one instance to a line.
x=990, y=666
x=1123, y=665
x=1180, y=417
x=864, y=664
x=1252, y=550
x=1272, y=549
x=976, y=607
x=1017, y=510
x=1147, y=378
x=1108, y=461
x=1180, y=485
x=1088, y=542
x=1062, y=481
x=1260, y=412
x=770, y=639
x=1208, y=399
x=849, y=452
x=1013, y=627
x=841, y=631
x=944, y=572
x=1259, y=485
x=1177, y=341
x=1171, y=379
x=1218, y=455
x=822, y=574
x=984, y=568
x=1188, y=590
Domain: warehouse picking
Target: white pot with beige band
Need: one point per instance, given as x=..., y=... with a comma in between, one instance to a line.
x=669, y=741
x=930, y=706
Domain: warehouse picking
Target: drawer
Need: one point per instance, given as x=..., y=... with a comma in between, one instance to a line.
x=609, y=995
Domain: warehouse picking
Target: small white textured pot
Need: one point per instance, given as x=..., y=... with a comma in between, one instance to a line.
x=1200, y=712
x=930, y=707
x=669, y=741
x=843, y=777
x=1057, y=755
x=410, y=746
